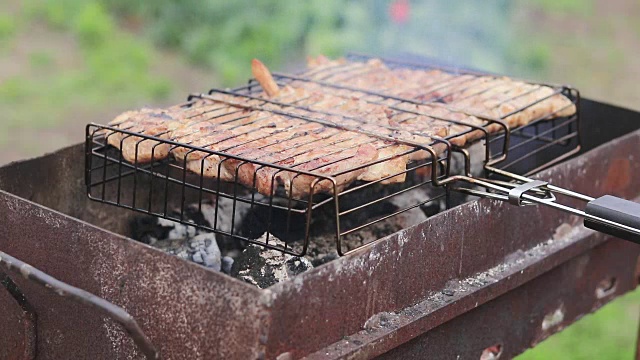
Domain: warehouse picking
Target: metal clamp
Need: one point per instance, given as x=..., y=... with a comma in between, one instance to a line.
x=515, y=194
x=63, y=289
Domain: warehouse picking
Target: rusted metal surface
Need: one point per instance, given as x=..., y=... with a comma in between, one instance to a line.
x=62, y=289
x=527, y=315
x=57, y=182
x=27, y=348
x=430, y=274
x=186, y=310
x=435, y=256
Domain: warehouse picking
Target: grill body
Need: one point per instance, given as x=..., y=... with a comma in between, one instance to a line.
x=481, y=260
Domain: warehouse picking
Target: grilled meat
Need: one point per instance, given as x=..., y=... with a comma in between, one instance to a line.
x=371, y=107
x=377, y=118
x=502, y=98
x=151, y=122
x=314, y=138
x=159, y=123
x=241, y=130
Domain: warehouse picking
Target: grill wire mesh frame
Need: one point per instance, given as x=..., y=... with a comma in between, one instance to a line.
x=106, y=167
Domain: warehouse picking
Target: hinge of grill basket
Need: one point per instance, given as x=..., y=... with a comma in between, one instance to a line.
x=515, y=194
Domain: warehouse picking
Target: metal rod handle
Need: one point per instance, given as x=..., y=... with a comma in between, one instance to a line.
x=608, y=214
x=65, y=290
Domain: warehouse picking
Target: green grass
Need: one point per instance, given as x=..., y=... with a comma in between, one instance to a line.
x=8, y=27
x=114, y=66
x=116, y=63
x=610, y=333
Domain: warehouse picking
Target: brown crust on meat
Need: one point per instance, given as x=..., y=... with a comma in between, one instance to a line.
x=515, y=102
x=264, y=77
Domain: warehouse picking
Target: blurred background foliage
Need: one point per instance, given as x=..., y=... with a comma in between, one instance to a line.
x=225, y=35
x=65, y=63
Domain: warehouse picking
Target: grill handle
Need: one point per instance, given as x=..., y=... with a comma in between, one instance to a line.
x=617, y=210
x=65, y=290
x=607, y=214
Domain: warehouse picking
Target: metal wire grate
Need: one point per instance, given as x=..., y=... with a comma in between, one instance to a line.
x=256, y=137
x=556, y=136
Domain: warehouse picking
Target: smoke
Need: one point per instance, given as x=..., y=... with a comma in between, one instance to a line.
x=464, y=32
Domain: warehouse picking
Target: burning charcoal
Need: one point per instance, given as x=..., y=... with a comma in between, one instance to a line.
x=264, y=267
x=225, y=217
x=286, y=225
x=146, y=229
x=431, y=208
x=298, y=265
x=225, y=213
x=149, y=229
x=322, y=245
x=180, y=240
x=325, y=258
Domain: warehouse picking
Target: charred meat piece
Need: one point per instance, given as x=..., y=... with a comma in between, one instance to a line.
x=150, y=122
x=159, y=123
x=515, y=102
x=257, y=147
x=314, y=100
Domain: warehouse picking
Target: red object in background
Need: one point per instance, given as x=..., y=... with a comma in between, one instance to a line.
x=399, y=11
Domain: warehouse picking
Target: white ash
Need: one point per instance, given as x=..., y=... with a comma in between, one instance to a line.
x=322, y=247
x=185, y=241
x=202, y=249
x=226, y=213
x=178, y=231
x=227, y=264
x=265, y=267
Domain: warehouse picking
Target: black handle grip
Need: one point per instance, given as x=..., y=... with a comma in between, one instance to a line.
x=621, y=211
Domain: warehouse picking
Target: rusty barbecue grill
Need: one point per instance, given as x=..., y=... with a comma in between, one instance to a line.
x=548, y=137
x=424, y=287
